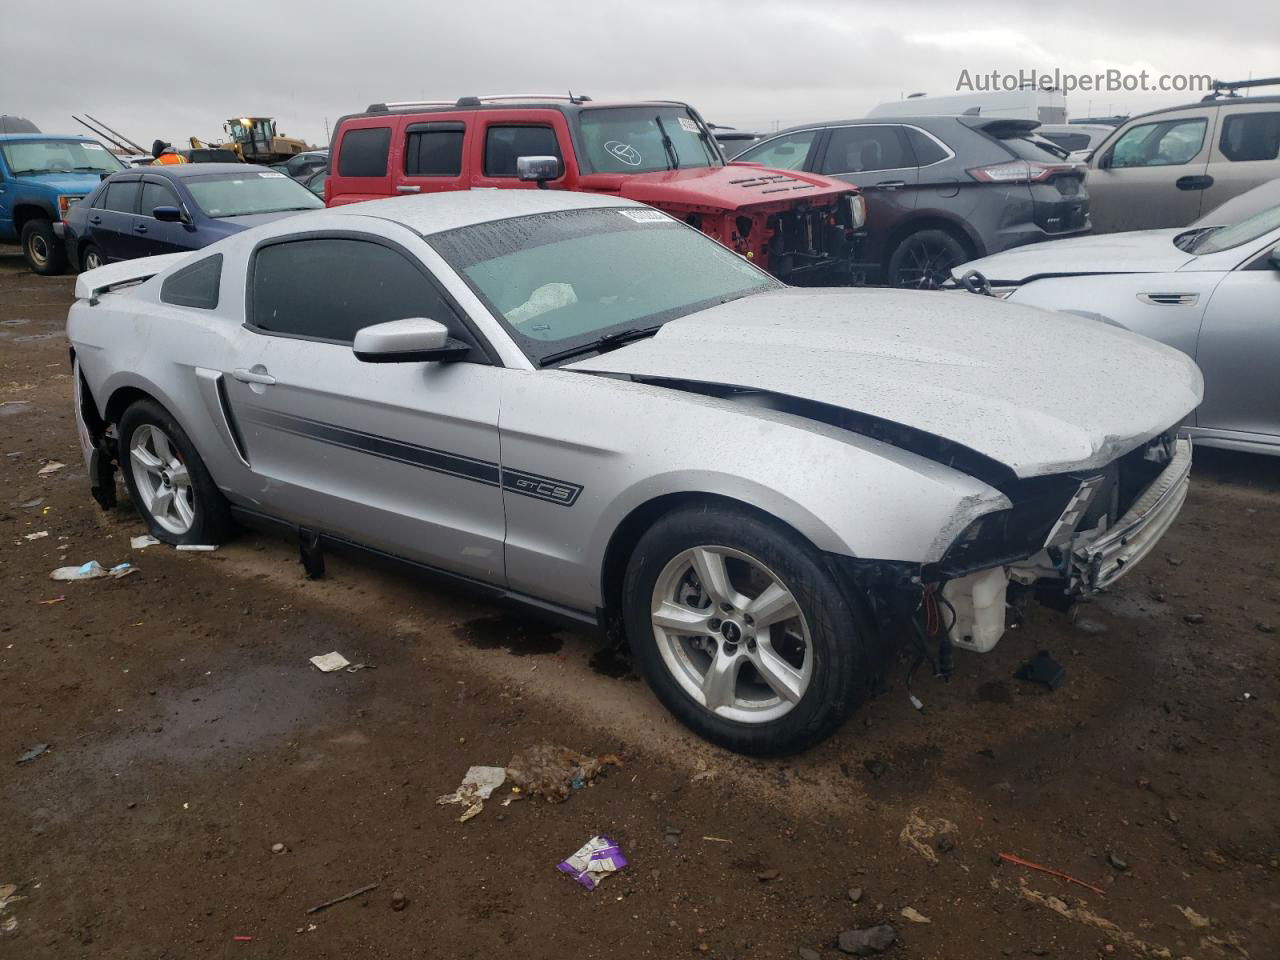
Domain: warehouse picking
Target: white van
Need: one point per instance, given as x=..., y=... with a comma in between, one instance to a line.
x=1046, y=106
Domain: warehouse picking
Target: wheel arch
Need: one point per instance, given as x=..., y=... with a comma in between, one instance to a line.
x=25, y=212
x=626, y=535
x=961, y=231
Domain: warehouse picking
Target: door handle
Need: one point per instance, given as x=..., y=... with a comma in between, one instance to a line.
x=249, y=376
x=95, y=220
x=139, y=228
x=1194, y=183
x=408, y=188
x=891, y=184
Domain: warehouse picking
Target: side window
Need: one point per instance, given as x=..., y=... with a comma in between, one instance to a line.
x=363, y=153
x=156, y=195
x=927, y=149
x=787, y=152
x=194, y=286
x=122, y=196
x=1164, y=144
x=433, y=149
x=1251, y=136
x=503, y=145
x=866, y=148
x=327, y=288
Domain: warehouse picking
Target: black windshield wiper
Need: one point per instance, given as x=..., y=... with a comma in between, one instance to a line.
x=601, y=344
x=668, y=145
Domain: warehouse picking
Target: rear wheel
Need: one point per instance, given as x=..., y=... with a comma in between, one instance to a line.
x=167, y=480
x=923, y=260
x=91, y=258
x=41, y=249
x=741, y=631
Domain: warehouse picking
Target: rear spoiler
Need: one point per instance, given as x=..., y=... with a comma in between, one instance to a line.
x=93, y=283
x=1000, y=126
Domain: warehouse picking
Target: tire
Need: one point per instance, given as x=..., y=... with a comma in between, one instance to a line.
x=195, y=511
x=91, y=258
x=41, y=249
x=923, y=260
x=826, y=651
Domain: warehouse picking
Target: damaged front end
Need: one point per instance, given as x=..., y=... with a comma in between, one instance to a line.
x=1064, y=536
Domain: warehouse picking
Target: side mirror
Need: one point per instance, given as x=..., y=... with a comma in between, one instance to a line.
x=538, y=169
x=1274, y=257
x=168, y=214
x=405, y=341
x=1104, y=163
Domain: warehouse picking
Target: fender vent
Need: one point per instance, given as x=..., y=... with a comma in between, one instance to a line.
x=1169, y=299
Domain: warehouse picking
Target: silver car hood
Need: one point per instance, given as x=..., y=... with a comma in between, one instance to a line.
x=1039, y=392
x=1141, y=251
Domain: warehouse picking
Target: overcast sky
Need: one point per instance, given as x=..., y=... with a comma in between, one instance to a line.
x=180, y=69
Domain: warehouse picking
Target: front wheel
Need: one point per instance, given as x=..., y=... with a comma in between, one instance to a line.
x=167, y=480
x=41, y=249
x=923, y=260
x=91, y=258
x=741, y=631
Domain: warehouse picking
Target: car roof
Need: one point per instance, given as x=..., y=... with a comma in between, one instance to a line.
x=184, y=171
x=919, y=121
x=436, y=212
x=14, y=137
x=1206, y=103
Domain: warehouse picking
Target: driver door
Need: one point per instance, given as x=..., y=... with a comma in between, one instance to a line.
x=402, y=457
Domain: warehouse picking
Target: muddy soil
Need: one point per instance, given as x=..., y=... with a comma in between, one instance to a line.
x=188, y=734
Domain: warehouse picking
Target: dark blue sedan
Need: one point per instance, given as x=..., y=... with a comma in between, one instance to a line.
x=148, y=211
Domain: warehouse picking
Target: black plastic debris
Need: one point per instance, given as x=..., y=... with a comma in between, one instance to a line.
x=1043, y=669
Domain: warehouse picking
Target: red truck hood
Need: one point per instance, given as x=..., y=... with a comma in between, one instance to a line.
x=744, y=187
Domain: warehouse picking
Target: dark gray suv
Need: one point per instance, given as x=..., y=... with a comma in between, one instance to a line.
x=939, y=190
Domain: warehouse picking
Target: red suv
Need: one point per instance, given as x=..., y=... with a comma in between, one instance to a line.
x=802, y=227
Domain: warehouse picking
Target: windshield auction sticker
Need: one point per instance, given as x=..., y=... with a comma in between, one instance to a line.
x=646, y=216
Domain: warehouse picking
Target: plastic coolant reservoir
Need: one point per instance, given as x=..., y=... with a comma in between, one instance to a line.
x=979, y=600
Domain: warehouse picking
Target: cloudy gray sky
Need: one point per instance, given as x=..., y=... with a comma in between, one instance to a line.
x=174, y=70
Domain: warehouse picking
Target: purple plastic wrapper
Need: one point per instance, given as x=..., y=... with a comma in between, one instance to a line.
x=598, y=858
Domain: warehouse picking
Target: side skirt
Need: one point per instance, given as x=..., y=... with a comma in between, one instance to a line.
x=544, y=608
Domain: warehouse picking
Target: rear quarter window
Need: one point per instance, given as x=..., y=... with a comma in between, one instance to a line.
x=363, y=152
x=1251, y=136
x=195, y=285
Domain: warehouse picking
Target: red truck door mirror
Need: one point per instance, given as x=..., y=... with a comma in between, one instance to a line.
x=538, y=169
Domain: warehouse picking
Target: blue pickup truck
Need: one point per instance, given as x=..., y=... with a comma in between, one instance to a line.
x=41, y=176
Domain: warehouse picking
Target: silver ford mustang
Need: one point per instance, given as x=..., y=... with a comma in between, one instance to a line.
x=580, y=403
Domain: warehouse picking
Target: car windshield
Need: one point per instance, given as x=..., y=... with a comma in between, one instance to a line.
x=28, y=158
x=1224, y=238
x=643, y=139
x=255, y=191
x=562, y=281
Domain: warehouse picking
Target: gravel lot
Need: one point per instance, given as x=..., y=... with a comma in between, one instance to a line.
x=188, y=735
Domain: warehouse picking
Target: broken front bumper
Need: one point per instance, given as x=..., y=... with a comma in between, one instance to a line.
x=1100, y=559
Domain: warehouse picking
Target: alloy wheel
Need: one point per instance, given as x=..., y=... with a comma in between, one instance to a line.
x=162, y=479
x=927, y=267
x=732, y=634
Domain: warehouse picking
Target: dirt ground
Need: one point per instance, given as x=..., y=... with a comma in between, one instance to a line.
x=188, y=735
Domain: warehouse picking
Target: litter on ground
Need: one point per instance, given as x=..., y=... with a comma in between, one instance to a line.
x=596, y=859
x=39, y=750
x=477, y=786
x=329, y=662
x=198, y=547
x=35, y=536
x=553, y=772
x=92, y=570
x=142, y=542
x=53, y=466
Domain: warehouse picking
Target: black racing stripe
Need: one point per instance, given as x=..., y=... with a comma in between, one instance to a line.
x=547, y=489
x=439, y=461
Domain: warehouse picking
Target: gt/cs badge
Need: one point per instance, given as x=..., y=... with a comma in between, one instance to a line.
x=541, y=488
